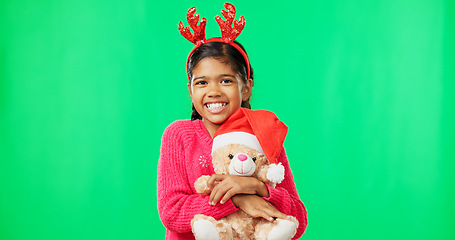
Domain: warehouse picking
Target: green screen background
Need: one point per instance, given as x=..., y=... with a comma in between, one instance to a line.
x=366, y=88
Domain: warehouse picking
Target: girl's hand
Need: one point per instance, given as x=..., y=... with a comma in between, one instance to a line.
x=256, y=206
x=225, y=186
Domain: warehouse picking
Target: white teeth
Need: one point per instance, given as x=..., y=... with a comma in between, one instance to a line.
x=215, y=105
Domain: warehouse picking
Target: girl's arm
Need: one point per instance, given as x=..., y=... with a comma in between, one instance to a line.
x=285, y=197
x=256, y=206
x=177, y=204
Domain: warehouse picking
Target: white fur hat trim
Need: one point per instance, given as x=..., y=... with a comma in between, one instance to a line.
x=275, y=173
x=237, y=138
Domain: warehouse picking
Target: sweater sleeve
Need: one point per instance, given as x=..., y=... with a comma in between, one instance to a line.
x=285, y=197
x=177, y=204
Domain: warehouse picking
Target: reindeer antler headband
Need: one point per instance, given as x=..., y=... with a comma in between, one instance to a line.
x=228, y=32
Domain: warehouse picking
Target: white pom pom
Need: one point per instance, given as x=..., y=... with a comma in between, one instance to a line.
x=275, y=173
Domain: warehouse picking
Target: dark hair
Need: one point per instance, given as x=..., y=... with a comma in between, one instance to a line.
x=233, y=57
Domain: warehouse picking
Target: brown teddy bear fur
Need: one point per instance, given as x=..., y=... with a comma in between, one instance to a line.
x=238, y=225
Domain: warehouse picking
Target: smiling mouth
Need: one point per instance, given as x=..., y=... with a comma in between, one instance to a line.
x=215, y=106
x=247, y=172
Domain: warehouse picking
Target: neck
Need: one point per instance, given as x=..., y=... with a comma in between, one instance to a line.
x=211, y=127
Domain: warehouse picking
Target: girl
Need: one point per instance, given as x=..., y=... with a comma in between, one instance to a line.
x=220, y=81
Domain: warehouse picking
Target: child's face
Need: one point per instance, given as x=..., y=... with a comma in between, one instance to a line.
x=216, y=91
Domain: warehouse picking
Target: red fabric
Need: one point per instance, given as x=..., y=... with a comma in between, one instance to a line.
x=265, y=125
x=185, y=156
x=237, y=122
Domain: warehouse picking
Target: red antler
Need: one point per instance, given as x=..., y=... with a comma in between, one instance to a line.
x=199, y=31
x=229, y=33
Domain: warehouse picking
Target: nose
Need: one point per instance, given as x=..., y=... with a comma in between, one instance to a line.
x=242, y=157
x=214, y=90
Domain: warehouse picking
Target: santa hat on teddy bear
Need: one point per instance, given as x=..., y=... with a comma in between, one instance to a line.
x=257, y=129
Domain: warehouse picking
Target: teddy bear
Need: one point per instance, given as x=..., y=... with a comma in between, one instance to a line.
x=237, y=150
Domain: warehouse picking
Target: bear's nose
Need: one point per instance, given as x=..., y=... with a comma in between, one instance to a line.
x=242, y=157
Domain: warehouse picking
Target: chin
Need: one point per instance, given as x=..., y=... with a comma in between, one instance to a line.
x=217, y=121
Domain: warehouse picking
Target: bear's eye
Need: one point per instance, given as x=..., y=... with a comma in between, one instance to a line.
x=254, y=159
x=231, y=156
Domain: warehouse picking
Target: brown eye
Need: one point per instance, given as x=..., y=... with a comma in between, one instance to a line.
x=231, y=156
x=254, y=159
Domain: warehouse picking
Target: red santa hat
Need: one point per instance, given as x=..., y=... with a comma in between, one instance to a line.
x=258, y=129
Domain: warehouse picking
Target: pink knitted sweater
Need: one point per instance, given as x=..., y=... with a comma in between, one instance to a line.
x=185, y=156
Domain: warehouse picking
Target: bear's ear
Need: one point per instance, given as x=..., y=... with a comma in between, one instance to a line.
x=262, y=175
x=259, y=159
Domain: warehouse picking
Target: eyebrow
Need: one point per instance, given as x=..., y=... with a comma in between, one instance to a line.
x=221, y=75
x=202, y=77
x=227, y=75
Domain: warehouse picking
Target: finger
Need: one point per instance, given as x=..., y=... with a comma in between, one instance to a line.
x=275, y=213
x=220, y=188
x=264, y=215
x=228, y=195
x=213, y=179
x=218, y=193
x=215, y=189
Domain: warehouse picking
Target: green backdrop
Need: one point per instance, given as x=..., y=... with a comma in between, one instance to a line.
x=366, y=88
